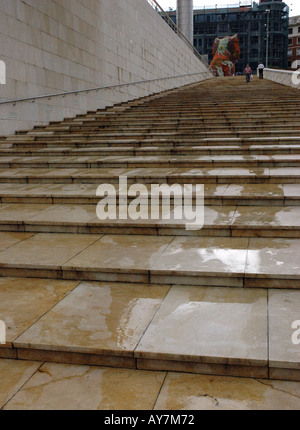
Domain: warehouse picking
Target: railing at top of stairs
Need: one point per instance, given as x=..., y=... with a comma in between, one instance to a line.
x=96, y=89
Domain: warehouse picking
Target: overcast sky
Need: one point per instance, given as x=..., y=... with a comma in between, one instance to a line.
x=165, y=4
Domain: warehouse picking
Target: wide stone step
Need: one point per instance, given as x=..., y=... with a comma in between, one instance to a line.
x=229, y=128
x=87, y=142
x=207, y=261
x=180, y=128
x=223, y=132
x=221, y=175
x=219, y=221
x=132, y=150
x=273, y=119
x=225, y=331
x=183, y=108
x=177, y=124
x=214, y=195
x=190, y=120
x=148, y=161
x=178, y=113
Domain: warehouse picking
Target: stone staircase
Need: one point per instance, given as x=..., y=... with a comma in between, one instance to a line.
x=149, y=294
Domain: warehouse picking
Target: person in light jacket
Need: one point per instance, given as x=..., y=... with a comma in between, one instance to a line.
x=261, y=70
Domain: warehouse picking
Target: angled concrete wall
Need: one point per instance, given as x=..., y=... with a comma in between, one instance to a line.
x=284, y=77
x=51, y=46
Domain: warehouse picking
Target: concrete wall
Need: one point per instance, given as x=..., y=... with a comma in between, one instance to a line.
x=52, y=46
x=284, y=77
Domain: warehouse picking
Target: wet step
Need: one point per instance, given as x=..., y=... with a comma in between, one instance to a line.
x=244, y=127
x=197, y=126
x=169, y=113
x=228, y=331
x=245, y=150
x=208, y=261
x=90, y=142
x=275, y=175
x=218, y=221
x=222, y=132
x=192, y=121
x=90, y=162
x=128, y=134
x=178, y=112
x=216, y=195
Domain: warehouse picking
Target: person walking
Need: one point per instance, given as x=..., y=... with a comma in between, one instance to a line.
x=248, y=73
x=261, y=68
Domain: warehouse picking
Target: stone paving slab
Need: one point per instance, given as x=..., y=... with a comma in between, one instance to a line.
x=284, y=321
x=105, y=319
x=9, y=239
x=223, y=258
x=65, y=387
x=269, y=257
x=129, y=254
x=268, y=217
x=216, y=326
x=14, y=374
x=24, y=301
x=44, y=250
x=20, y=212
x=199, y=392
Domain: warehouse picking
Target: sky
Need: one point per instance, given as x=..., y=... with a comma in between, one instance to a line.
x=165, y=4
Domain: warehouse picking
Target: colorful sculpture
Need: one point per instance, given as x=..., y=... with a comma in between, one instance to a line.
x=226, y=53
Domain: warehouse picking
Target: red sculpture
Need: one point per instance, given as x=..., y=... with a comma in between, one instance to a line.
x=226, y=52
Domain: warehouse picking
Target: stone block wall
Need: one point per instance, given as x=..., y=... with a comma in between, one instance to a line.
x=52, y=46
